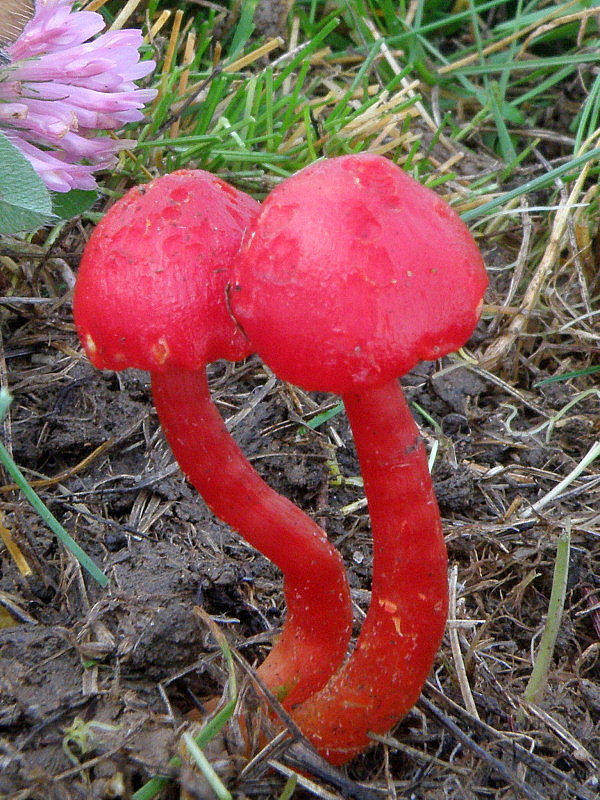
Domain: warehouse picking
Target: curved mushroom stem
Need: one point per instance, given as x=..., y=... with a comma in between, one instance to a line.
x=405, y=623
x=318, y=626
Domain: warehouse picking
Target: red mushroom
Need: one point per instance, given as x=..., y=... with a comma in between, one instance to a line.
x=351, y=273
x=150, y=294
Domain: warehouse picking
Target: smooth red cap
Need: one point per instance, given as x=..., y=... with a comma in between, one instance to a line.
x=352, y=273
x=151, y=287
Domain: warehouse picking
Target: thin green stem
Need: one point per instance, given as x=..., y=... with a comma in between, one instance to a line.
x=539, y=674
x=44, y=513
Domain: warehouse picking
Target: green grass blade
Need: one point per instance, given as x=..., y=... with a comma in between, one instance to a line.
x=531, y=186
x=214, y=725
x=44, y=513
x=213, y=780
x=539, y=675
x=289, y=788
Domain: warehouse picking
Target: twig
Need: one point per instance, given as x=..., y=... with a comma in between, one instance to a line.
x=578, y=748
x=549, y=771
x=499, y=348
x=589, y=457
x=459, y=663
x=304, y=782
x=27, y=301
x=527, y=790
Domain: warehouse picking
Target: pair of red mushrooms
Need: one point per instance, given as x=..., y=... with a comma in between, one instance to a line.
x=348, y=274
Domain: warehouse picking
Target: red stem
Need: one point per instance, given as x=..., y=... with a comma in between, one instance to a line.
x=403, y=629
x=315, y=636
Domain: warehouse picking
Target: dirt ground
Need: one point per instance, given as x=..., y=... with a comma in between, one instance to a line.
x=97, y=685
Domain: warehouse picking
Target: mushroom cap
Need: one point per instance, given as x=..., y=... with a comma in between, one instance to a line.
x=151, y=287
x=352, y=273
